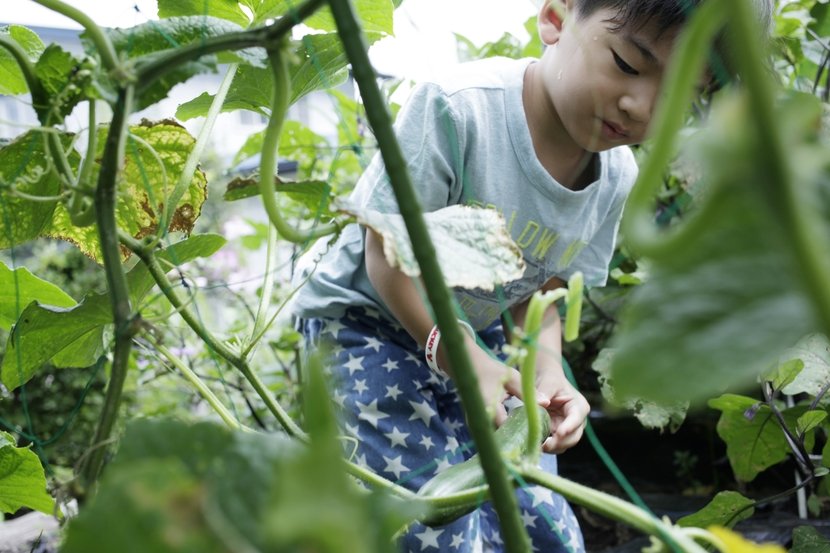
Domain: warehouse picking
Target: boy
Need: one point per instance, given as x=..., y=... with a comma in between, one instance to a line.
x=546, y=143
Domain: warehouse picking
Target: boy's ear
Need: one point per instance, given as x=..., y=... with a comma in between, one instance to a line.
x=551, y=16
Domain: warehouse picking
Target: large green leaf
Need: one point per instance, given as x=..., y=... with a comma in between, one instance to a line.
x=22, y=480
x=726, y=509
x=754, y=440
x=314, y=195
x=222, y=9
x=143, y=187
x=65, y=84
x=25, y=166
x=723, y=303
x=149, y=39
x=12, y=81
x=73, y=337
x=19, y=288
x=375, y=17
x=814, y=352
x=650, y=414
x=250, y=90
x=473, y=246
x=807, y=539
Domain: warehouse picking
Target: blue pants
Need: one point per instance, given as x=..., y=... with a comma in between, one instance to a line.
x=409, y=426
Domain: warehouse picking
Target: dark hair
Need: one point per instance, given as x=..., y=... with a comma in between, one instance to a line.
x=672, y=14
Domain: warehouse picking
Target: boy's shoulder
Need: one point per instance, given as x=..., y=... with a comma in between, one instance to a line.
x=488, y=73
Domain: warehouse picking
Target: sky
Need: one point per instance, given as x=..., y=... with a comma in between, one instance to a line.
x=424, y=41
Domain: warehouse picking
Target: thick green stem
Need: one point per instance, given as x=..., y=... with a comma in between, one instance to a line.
x=105, y=205
x=149, y=72
x=96, y=34
x=145, y=252
x=785, y=195
x=683, y=73
x=81, y=211
x=539, y=303
x=504, y=499
x=611, y=507
x=186, y=176
x=203, y=390
x=270, y=154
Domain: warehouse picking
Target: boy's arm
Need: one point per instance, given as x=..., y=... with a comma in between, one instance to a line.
x=567, y=407
x=400, y=295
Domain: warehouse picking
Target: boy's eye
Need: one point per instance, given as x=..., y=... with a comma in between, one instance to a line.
x=624, y=67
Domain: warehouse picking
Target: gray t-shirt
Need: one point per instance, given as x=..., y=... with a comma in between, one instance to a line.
x=466, y=140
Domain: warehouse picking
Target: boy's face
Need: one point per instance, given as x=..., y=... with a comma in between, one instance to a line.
x=603, y=83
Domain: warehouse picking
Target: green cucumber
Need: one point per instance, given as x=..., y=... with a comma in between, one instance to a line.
x=468, y=476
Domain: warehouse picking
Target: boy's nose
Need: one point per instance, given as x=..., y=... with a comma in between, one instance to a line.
x=638, y=103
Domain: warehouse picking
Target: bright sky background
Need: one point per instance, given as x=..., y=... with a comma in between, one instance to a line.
x=424, y=41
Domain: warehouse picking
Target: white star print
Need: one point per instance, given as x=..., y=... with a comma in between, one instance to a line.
x=396, y=437
x=351, y=429
x=354, y=364
x=457, y=540
x=429, y=538
x=412, y=357
x=360, y=386
x=442, y=465
x=339, y=398
x=361, y=461
x=395, y=466
x=333, y=327
x=421, y=411
x=390, y=365
x=452, y=444
x=393, y=392
x=370, y=412
x=540, y=495
x=528, y=520
x=426, y=441
x=373, y=343
x=454, y=426
x=496, y=538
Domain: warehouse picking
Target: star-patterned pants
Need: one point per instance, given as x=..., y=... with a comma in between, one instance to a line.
x=409, y=426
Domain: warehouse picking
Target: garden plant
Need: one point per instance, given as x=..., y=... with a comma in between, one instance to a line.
x=734, y=291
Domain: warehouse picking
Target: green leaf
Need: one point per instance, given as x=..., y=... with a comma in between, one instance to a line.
x=721, y=511
x=222, y=9
x=149, y=39
x=807, y=539
x=64, y=83
x=754, y=440
x=314, y=195
x=375, y=17
x=143, y=187
x=297, y=143
x=721, y=305
x=473, y=246
x=785, y=373
x=12, y=81
x=44, y=331
x=73, y=337
x=25, y=166
x=22, y=480
x=810, y=420
x=814, y=351
x=19, y=288
x=250, y=90
x=650, y=414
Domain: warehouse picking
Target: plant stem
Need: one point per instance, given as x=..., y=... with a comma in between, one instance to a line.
x=797, y=446
x=681, y=76
x=152, y=70
x=504, y=499
x=96, y=34
x=26, y=67
x=610, y=506
x=260, y=324
x=799, y=216
x=270, y=154
x=82, y=213
x=105, y=205
x=203, y=390
x=145, y=253
x=186, y=176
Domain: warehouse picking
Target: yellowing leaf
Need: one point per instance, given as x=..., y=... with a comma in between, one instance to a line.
x=735, y=543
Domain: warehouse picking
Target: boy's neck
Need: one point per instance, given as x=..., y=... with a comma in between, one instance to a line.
x=569, y=164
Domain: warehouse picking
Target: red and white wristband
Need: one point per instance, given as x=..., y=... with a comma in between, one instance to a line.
x=431, y=346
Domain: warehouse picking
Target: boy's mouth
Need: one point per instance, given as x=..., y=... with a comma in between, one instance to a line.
x=612, y=131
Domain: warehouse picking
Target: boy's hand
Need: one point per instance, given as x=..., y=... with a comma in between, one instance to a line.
x=495, y=381
x=568, y=410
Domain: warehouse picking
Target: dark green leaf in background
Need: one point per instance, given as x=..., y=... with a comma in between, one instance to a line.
x=807, y=539
x=720, y=511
